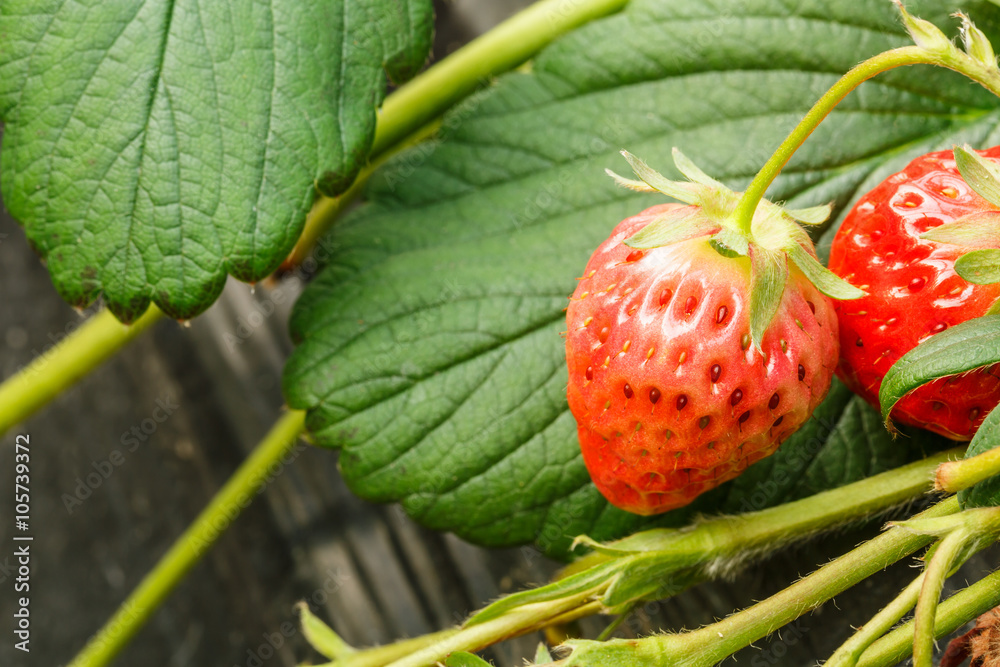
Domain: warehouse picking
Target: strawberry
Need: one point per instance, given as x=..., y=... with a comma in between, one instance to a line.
x=673, y=388
x=885, y=246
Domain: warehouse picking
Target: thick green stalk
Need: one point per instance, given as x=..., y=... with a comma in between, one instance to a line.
x=250, y=479
x=952, y=614
x=711, y=644
x=907, y=55
x=420, y=101
x=73, y=357
x=955, y=476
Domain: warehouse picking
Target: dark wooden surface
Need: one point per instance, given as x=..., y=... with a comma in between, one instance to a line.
x=368, y=570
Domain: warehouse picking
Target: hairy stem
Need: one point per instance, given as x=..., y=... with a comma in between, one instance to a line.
x=72, y=358
x=711, y=644
x=952, y=614
x=948, y=550
x=851, y=650
x=955, y=476
x=250, y=479
x=907, y=55
x=440, y=87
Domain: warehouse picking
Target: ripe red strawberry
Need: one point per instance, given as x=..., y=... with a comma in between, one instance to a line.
x=914, y=292
x=670, y=394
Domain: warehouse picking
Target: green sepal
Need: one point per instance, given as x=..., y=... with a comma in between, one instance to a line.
x=542, y=654
x=976, y=43
x=673, y=226
x=982, y=175
x=768, y=274
x=981, y=267
x=815, y=215
x=925, y=34
x=692, y=172
x=975, y=230
x=689, y=193
x=629, y=183
x=732, y=240
x=825, y=280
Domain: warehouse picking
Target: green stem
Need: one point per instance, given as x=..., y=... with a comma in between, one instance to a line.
x=713, y=643
x=249, y=479
x=851, y=650
x=57, y=369
x=936, y=572
x=506, y=46
x=952, y=614
x=955, y=476
x=731, y=536
x=420, y=101
x=907, y=55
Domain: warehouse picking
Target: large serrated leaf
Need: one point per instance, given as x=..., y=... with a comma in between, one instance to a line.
x=152, y=147
x=428, y=348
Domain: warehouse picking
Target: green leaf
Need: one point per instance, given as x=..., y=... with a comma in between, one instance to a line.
x=825, y=280
x=987, y=492
x=428, y=348
x=679, y=224
x=981, y=174
x=975, y=230
x=768, y=274
x=321, y=636
x=959, y=349
x=981, y=267
x=463, y=659
x=152, y=148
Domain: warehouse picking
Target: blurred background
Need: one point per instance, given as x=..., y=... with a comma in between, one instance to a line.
x=182, y=406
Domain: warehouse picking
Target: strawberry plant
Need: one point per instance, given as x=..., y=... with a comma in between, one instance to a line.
x=151, y=150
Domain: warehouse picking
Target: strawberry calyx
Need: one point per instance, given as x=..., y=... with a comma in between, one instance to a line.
x=979, y=230
x=774, y=236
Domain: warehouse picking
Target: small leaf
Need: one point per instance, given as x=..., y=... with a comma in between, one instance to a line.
x=768, y=273
x=987, y=492
x=685, y=192
x=542, y=654
x=981, y=267
x=976, y=43
x=679, y=224
x=692, y=172
x=925, y=34
x=959, y=349
x=975, y=230
x=981, y=174
x=464, y=659
x=825, y=280
x=321, y=636
x=815, y=215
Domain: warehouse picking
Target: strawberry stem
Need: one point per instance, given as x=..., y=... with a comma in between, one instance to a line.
x=71, y=359
x=933, y=48
x=907, y=55
x=248, y=481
